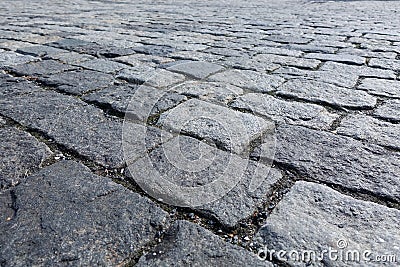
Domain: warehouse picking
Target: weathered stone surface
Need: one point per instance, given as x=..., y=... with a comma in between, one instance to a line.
x=362, y=71
x=136, y=74
x=385, y=63
x=76, y=125
x=162, y=78
x=344, y=58
x=8, y=59
x=71, y=57
x=288, y=61
x=313, y=217
x=390, y=110
x=37, y=69
x=286, y=111
x=196, y=69
x=232, y=130
x=118, y=98
x=41, y=51
x=189, y=163
x=186, y=243
x=252, y=80
x=389, y=88
x=78, y=82
x=66, y=215
x=250, y=63
x=339, y=160
x=372, y=130
x=11, y=86
x=21, y=154
x=324, y=93
x=102, y=65
x=209, y=91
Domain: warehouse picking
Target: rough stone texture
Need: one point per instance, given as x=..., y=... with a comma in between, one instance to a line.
x=41, y=51
x=344, y=58
x=252, y=80
x=372, y=130
x=65, y=215
x=78, y=82
x=289, y=61
x=196, y=69
x=8, y=59
x=71, y=57
x=162, y=78
x=41, y=68
x=102, y=65
x=362, y=71
x=385, y=63
x=21, y=154
x=239, y=202
x=118, y=97
x=186, y=243
x=75, y=125
x=230, y=129
x=286, y=112
x=209, y=91
x=381, y=87
x=324, y=93
x=339, y=160
x=313, y=217
x=390, y=110
x=15, y=86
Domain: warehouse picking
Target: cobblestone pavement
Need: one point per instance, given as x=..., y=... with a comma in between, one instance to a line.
x=326, y=73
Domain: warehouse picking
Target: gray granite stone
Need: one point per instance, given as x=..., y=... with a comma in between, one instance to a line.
x=196, y=69
x=315, y=218
x=390, y=110
x=65, y=215
x=325, y=93
x=41, y=68
x=339, y=160
x=385, y=63
x=381, y=87
x=8, y=59
x=209, y=91
x=78, y=82
x=281, y=111
x=371, y=130
x=362, y=71
x=195, y=167
x=289, y=61
x=21, y=154
x=187, y=244
x=102, y=65
x=344, y=58
x=41, y=51
x=252, y=80
x=232, y=130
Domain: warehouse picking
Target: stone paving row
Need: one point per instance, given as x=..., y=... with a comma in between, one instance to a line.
x=310, y=86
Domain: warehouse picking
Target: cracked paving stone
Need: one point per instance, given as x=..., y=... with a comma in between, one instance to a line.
x=41, y=68
x=21, y=153
x=76, y=45
x=209, y=91
x=372, y=130
x=319, y=92
x=258, y=82
x=195, y=56
x=232, y=130
x=187, y=244
x=41, y=51
x=390, y=110
x=250, y=63
x=364, y=71
x=9, y=59
x=78, y=126
x=102, y=65
x=288, y=61
x=344, y=58
x=237, y=204
x=385, y=63
x=339, y=160
x=65, y=213
x=381, y=87
x=196, y=69
x=11, y=86
x=157, y=50
x=281, y=111
x=78, y=82
x=118, y=98
x=313, y=217
x=311, y=48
